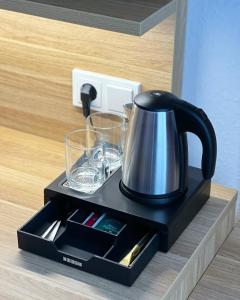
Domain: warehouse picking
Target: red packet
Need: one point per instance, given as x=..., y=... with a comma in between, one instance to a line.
x=91, y=219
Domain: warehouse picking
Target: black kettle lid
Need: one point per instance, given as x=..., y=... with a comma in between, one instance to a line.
x=155, y=100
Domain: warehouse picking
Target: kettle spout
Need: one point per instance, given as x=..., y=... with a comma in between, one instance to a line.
x=128, y=110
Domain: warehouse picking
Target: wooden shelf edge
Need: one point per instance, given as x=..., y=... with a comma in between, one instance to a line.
x=88, y=18
x=158, y=17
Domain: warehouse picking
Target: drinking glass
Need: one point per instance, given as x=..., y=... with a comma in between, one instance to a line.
x=112, y=127
x=86, y=168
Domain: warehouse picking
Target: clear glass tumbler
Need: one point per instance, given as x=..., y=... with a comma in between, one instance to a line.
x=113, y=128
x=85, y=165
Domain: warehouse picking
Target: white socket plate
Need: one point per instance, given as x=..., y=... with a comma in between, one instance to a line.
x=112, y=92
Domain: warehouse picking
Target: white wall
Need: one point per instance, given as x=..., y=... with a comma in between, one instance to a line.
x=212, y=79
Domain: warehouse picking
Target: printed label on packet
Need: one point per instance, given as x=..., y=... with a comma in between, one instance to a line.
x=109, y=224
x=91, y=219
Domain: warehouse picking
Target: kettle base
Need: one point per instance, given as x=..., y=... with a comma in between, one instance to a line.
x=149, y=199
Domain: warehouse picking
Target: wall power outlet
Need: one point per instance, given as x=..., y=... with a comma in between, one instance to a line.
x=112, y=92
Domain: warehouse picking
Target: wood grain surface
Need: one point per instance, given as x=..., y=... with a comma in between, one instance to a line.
x=222, y=278
x=37, y=57
x=28, y=163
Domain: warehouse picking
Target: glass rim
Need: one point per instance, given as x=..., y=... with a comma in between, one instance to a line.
x=120, y=116
x=72, y=132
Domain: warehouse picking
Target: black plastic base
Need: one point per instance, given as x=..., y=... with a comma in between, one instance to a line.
x=99, y=252
x=110, y=199
x=151, y=200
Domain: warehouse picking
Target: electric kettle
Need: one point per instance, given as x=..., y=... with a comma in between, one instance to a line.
x=155, y=159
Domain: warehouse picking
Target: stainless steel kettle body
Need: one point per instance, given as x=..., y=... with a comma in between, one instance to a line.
x=155, y=159
x=151, y=158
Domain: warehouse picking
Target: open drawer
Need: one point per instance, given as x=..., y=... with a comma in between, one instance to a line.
x=89, y=248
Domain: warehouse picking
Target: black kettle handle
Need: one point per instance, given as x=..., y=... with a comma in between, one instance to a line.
x=193, y=119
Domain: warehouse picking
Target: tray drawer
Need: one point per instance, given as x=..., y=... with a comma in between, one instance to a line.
x=88, y=248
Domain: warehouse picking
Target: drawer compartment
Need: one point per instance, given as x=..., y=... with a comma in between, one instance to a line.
x=116, y=255
x=79, y=240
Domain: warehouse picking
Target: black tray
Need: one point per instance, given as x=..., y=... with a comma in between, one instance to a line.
x=99, y=252
x=87, y=248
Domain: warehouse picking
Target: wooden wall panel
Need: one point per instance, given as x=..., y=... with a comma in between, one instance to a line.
x=37, y=56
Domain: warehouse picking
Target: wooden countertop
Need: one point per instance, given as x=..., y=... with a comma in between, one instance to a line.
x=28, y=163
x=221, y=279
